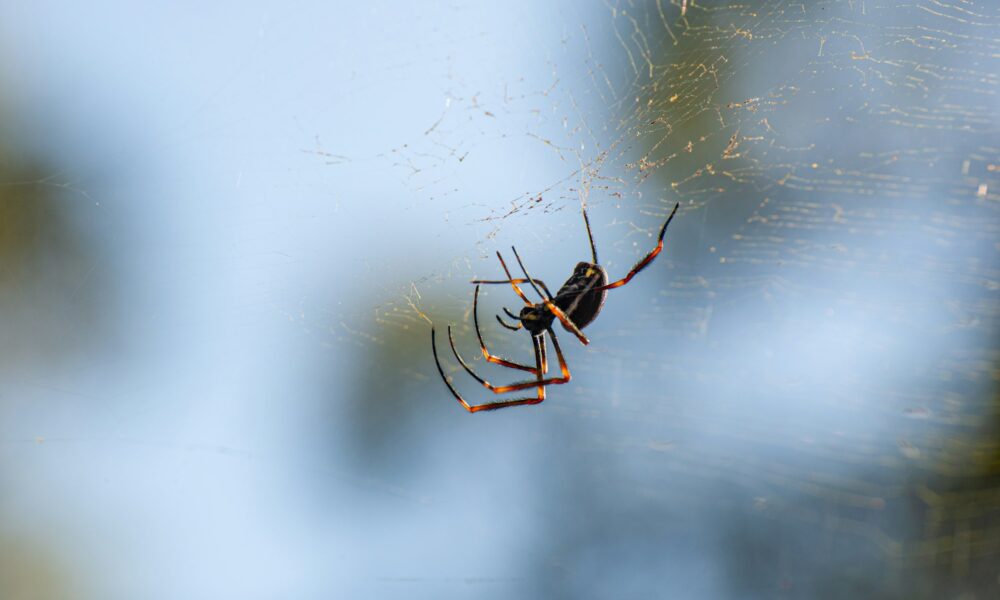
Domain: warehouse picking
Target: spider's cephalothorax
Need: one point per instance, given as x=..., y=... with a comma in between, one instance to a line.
x=537, y=319
x=575, y=305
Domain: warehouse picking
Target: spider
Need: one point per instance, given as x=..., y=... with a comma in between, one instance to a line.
x=575, y=305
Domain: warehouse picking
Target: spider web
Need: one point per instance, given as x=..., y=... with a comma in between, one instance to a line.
x=815, y=351
x=797, y=398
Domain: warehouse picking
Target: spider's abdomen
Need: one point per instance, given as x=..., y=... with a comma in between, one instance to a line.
x=578, y=298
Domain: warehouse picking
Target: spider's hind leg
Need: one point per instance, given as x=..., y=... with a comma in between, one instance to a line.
x=642, y=264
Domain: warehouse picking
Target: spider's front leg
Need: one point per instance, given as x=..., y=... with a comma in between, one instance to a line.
x=482, y=345
x=539, y=342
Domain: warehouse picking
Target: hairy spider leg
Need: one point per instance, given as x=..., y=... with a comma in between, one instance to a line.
x=496, y=281
x=482, y=345
x=523, y=385
x=549, y=304
x=590, y=236
x=645, y=261
x=539, y=361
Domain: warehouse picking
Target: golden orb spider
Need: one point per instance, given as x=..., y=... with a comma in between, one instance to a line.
x=575, y=305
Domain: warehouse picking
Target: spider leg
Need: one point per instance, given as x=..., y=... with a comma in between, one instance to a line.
x=545, y=296
x=539, y=351
x=541, y=346
x=511, y=327
x=590, y=236
x=562, y=361
x=565, y=320
x=503, y=389
x=645, y=261
x=513, y=282
x=494, y=281
x=510, y=314
x=482, y=345
x=447, y=380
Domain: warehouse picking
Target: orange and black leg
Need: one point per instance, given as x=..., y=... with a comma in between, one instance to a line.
x=642, y=264
x=541, y=367
x=503, y=389
x=513, y=282
x=496, y=281
x=482, y=345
